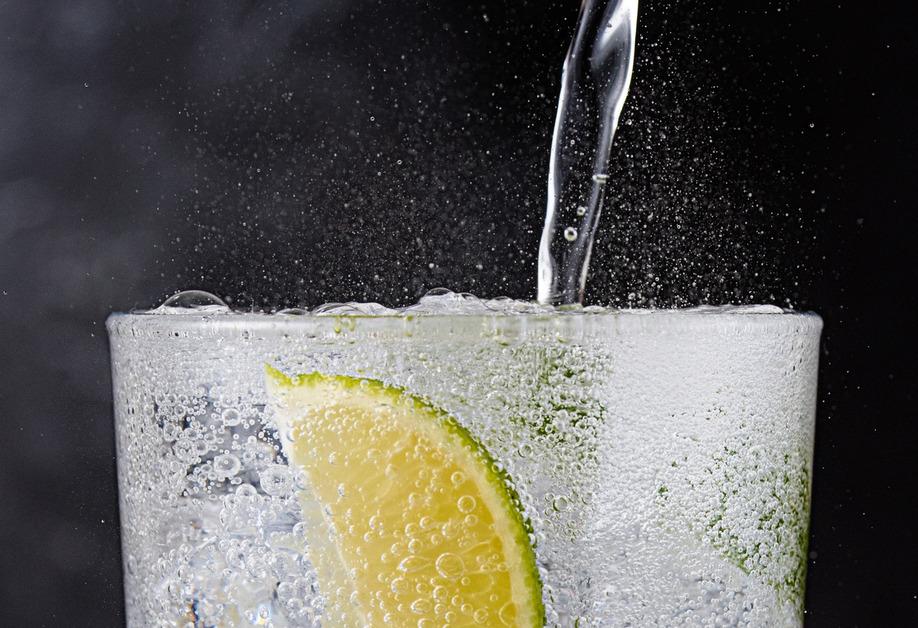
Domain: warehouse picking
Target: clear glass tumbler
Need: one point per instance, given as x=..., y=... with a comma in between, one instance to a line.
x=586, y=468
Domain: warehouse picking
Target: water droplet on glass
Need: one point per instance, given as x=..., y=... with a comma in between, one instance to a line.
x=581, y=211
x=570, y=234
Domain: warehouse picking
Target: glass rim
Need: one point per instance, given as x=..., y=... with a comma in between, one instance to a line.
x=608, y=322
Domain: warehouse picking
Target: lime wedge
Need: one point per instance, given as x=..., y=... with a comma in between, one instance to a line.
x=409, y=520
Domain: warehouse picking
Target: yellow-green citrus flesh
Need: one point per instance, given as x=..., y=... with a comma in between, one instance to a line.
x=409, y=520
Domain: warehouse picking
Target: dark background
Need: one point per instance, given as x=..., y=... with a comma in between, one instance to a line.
x=282, y=153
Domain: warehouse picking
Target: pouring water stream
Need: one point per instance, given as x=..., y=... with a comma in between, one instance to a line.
x=597, y=74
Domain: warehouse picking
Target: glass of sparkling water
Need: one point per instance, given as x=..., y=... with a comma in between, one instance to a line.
x=464, y=462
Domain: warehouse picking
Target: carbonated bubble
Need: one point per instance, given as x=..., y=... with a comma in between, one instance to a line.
x=276, y=479
x=466, y=503
x=231, y=417
x=449, y=565
x=192, y=302
x=246, y=490
x=226, y=465
x=412, y=564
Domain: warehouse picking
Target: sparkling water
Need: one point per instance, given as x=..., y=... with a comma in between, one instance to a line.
x=663, y=458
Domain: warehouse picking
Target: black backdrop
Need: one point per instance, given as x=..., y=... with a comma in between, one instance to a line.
x=317, y=150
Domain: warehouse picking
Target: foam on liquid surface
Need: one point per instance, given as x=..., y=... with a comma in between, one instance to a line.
x=438, y=301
